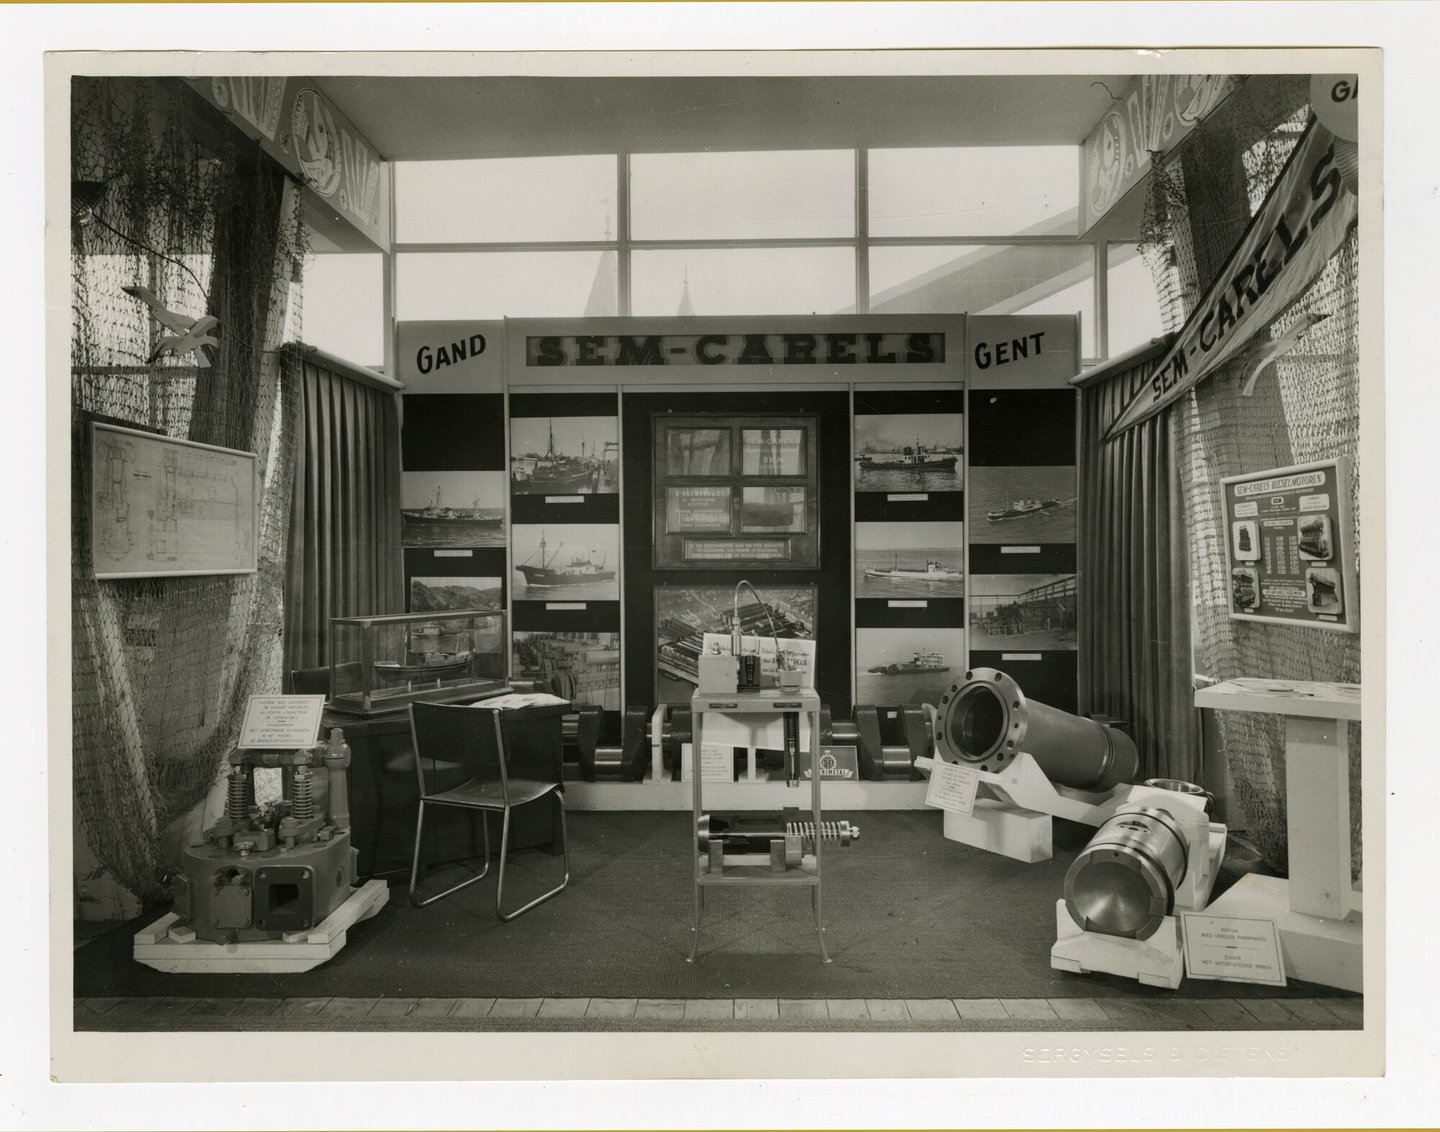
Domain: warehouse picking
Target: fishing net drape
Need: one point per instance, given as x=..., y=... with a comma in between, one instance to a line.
x=166, y=196
x=1304, y=407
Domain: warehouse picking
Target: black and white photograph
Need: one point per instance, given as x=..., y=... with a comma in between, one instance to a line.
x=1023, y=611
x=445, y=594
x=684, y=614
x=564, y=456
x=906, y=666
x=566, y=562
x=909, y=452
x=1020, y=505
x=938, y=365
x=452, y=509
x=586, y=665
x=920, y=560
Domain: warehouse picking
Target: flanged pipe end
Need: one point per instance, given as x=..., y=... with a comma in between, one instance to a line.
x=983, y=720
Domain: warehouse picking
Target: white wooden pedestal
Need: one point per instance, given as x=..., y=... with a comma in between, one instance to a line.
x=1317, y=910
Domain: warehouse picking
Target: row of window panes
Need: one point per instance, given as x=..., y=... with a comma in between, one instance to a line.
x=343, y=294
x=783, y=194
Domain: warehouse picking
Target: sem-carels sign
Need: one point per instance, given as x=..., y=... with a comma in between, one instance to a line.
x=1302, y=222
x=729, y=349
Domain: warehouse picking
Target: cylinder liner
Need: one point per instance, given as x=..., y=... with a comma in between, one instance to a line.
x=986, y=720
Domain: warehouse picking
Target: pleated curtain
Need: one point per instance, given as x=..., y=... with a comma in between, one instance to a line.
x=1134, y=588
x=345, y=557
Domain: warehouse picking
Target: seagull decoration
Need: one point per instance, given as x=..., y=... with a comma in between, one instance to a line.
x=187, y=334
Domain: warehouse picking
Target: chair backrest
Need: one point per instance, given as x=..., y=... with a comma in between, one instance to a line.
x=316, y=681
x=473, y=737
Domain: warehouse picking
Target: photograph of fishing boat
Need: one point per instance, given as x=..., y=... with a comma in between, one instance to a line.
x=909, y=451
x=1022, y=504
x=567, y=562
x=452, y=509
x=1023, y=611
x=909, y=560
x=435, y=594
x=581, y=667
x=564, y=455
x=906, y=666
x=684, y=614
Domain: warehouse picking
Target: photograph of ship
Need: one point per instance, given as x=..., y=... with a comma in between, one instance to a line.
x=906, y=666
x=1022, y=611
x=684, y=614
x=433, y=594
x=581, y=667
x=564, y=455
x=1016, y=505
x=566, y=562
x=909, y=451
x=909, y=560
x=454, y=509
x=772, y=509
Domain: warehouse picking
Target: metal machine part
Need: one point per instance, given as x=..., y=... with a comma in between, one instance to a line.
x=1180, y=786
x=756, y=832
x=580, y=740
x=986, y=720
x=260, y=874
x=887, y=740
x=1123, y=882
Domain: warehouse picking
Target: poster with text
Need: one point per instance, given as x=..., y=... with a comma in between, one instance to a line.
x=1287, y=547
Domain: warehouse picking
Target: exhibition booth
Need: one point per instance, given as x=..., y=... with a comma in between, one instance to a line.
x=1023, y=641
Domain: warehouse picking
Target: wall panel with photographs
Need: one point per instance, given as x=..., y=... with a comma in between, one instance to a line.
x=733, y=492
x=564, y=487
x=908, y=465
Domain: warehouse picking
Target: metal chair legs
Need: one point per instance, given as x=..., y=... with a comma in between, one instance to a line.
x=504, y=848
x=415, y=861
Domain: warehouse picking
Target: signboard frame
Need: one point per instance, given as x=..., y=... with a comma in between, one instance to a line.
x=1339, y=521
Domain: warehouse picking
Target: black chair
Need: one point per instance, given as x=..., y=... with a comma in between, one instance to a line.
x=477, y=738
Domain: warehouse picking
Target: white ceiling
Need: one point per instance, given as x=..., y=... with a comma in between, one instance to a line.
x=431, y=118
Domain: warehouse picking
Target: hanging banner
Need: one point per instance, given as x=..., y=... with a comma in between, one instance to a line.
x=1303, y=221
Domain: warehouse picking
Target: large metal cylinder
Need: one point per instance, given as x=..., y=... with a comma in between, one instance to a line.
x=986, y=720
x=1123, y=883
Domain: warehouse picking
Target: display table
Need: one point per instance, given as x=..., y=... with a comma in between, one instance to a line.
x=1318, y=909
x=719, y=870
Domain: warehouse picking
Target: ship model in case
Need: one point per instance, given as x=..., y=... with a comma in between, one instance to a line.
x=382, y=662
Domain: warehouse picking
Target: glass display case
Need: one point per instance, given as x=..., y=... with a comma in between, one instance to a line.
x=382, y=662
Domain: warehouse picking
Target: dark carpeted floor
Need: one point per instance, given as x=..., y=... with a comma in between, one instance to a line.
x=909, y=915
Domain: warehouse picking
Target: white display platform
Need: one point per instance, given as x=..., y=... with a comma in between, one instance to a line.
x=1157, y=962
x=176, y=950
x=1318, y=912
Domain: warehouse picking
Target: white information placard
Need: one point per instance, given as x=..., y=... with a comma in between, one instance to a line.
x=1232, y=948
x=281, y=723
x=717, y=762
x=952, y=787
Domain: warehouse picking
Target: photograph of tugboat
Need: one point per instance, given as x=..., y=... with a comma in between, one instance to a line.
x=1023, y=611
x=573, y=562
x=909, y=451
x=684, y=614
x=564, y=456
x=909, y=560
x=1014, y=505
x=583, y=667
x=906, y=666
x=452, y=509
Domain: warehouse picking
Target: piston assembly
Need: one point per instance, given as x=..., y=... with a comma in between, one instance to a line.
x=986, y=721
x=1123, y=883
x=783, y=836
x=263, y=872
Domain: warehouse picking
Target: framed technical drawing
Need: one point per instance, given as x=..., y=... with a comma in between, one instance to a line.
x=161, y=506
x=716, y=511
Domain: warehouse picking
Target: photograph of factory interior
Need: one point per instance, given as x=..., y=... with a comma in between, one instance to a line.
x=511, y=512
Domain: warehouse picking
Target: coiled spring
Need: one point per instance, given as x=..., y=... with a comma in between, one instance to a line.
x=302, y=803
x=831, y=832
x=238, y=799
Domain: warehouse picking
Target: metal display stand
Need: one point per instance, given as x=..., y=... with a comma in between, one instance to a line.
x=717, y=869
x=1317, y=909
